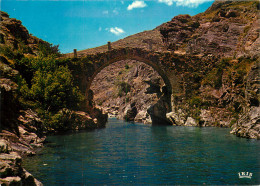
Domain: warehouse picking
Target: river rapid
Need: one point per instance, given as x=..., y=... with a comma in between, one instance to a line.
x=136, y=154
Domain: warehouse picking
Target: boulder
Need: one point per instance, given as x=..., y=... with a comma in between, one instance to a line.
x=206, y=118
x=12, y=173
x=158, y=111
x=4, y=146
x=31, y=122
x=12, y=156
x=143, y=117
x=12, y=181
x=30, y=180
x=191, y=122
x=176, y=118
x=5, y=170
x=130, y=112
x=248, y=125
x=82, y=120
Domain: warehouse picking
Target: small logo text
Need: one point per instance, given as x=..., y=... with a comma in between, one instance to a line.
x=245, y=175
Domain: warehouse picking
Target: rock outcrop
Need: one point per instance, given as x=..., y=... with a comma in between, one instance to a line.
x=11, y=171
x=159, y=110
x=10, y=113
x=14, y=144
x=130, y=112
x=248, y=125
x=17, y=136
x=227, y=28
x=15, y=36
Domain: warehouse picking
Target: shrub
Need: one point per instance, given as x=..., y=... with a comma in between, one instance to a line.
x=195, y=101
x=10, y=53
x=47, y=49
x=126, y=66
x=48, y=88
x=24, y=66
x=60, y=121
x=54, y=90
x=123, y=88
x=232, y=122
x=24, y=49
x=214, y=77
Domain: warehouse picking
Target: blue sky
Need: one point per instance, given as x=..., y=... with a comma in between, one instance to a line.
x=90, y=23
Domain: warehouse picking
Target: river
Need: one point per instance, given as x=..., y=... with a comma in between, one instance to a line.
x=136, y=154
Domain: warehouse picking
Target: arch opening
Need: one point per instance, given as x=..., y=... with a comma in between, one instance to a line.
x=146, y=87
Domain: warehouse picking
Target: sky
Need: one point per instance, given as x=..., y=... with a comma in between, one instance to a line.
x=86, y=24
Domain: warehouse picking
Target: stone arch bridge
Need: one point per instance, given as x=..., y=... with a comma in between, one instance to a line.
x=171, y=67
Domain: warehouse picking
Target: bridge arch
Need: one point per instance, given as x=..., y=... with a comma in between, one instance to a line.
x=102, y=60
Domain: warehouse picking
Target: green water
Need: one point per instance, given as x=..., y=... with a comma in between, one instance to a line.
x=136, y=154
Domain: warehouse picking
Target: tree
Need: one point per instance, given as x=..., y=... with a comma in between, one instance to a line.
x=54, y=90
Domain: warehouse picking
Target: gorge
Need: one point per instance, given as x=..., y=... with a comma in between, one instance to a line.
x=203, y=71
x=210, y=63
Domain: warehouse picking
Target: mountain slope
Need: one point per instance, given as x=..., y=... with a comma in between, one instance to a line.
x=139, y=40
x=227, y=28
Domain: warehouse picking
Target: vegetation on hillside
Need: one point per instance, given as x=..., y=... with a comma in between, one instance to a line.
x=225, y=86
x=45, y=83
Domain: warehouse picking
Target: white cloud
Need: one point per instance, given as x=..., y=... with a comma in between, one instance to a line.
x=115, y=12
x=188, y=3
x=168, y=2
x=136, y=4
x=100, y=29
x=117, y=31
x=105, y=12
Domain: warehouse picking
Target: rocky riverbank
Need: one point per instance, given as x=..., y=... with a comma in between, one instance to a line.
x=29, y=139
x=14, y=146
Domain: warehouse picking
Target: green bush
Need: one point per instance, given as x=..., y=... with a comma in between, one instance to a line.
x=45, y=83
x=123, y=88
x=232, y=122
x=196, y=114
x=10, y=53
x=47, y=86
x=195, y=101
x=54, y=90
x=60, y=121
x=126, y=66
x=24, y=49
x=214, y=78
x=46, y=49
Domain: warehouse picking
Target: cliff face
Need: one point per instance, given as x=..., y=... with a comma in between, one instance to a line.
x=227, y=93
x=227, y=28
x=18, y=131
x=14, y=35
